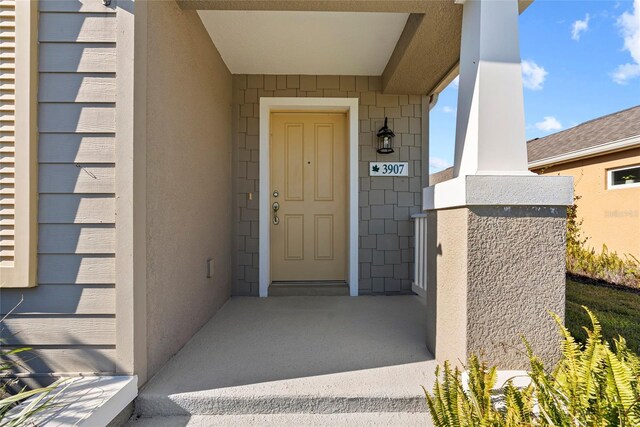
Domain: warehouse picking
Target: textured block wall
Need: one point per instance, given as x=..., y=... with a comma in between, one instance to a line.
x=495, y=272
x=515, y=277
x=386, y=203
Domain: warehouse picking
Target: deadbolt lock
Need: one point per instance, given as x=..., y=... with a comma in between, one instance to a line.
x=275, y=193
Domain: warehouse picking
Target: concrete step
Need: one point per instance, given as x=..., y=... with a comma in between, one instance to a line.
x=386, y=389
x=148, y=405
x=299, y=420
x=325, y=289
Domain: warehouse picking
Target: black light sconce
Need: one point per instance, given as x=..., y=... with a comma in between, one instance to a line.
x=385, y=139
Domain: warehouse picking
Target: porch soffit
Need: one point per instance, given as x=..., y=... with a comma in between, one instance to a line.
x=292, y=42
x=388, y=6
x=426, y=56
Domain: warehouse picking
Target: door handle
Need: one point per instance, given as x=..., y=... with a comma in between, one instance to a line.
x=275, y=206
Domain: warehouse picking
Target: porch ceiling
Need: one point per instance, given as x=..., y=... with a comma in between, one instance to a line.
x=392, y=6
x=424, y=60
x=290, y=42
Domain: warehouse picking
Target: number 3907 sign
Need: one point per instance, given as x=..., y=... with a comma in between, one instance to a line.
x=388, y=169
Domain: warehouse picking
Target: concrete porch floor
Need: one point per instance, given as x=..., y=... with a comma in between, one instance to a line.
x=300, y=355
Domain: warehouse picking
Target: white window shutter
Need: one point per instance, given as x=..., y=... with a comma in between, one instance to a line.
x=18, y=143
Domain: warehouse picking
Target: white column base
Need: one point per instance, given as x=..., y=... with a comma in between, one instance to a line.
x=500, y=190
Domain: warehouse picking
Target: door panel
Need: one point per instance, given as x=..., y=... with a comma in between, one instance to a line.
x=309, y=171
x=323, y=237
x=324, y=165
x=293, y=237
x=294, y=161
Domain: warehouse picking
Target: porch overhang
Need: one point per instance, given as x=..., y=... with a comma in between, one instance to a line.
x=426, y=57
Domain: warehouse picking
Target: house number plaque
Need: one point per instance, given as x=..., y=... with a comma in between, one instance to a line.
x=388, y=169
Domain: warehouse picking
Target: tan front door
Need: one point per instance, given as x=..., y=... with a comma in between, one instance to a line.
x=309, y=176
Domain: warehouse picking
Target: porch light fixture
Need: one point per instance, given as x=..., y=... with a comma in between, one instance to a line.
x=385, y=139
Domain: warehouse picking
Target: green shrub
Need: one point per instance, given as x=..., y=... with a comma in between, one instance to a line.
x=592, y=385
x=604, y=265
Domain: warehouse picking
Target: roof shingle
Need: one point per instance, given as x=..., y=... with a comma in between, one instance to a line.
x=613, y=127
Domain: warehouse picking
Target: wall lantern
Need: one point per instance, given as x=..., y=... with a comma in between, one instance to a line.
x=385, y=139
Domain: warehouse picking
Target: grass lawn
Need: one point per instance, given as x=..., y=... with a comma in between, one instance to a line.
x=617, y=309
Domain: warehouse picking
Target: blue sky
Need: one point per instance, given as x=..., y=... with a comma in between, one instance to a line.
x=581, y=60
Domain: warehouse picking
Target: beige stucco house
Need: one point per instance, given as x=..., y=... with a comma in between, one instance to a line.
x=163, y=159
x=603, y=157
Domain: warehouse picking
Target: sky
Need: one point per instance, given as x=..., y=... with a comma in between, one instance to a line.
x=580, y=61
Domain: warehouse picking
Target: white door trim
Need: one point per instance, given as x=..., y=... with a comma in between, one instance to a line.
x=268, y=105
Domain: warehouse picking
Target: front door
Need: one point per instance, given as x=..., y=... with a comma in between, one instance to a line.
x=309, y=154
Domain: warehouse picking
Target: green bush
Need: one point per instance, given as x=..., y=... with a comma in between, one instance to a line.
x=604, y=265
x=592, y=385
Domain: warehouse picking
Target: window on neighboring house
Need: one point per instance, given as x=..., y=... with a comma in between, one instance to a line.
x=624, y=177
x=18, y=143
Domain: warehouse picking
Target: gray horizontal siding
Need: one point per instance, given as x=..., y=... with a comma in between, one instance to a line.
x=69, y=319
x=77, y=6
x=78, y=57
x=76, y=178
x=77, y=27
x=61, y=299
x=76, y=239
x=76, y=209
x=76, y=87
x=77, y=118
x=76, y=148
x=71, y=268
x=82, y=359
x=76, y=330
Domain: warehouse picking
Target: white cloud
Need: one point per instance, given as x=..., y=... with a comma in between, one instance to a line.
x=629, y=24
x=549, y=124
x=448, y=110
x=625, y=72
x=438, y=163
x=533, y=75
x=579, y=27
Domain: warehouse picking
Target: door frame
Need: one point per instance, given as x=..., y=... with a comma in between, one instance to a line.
x=270, y=105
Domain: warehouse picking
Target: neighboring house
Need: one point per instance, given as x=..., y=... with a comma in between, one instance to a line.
x=163, y=156
x=603, y=157
x=441, y=176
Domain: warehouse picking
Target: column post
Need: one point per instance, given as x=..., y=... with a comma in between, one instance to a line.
x=490, y=128
x=496, y=232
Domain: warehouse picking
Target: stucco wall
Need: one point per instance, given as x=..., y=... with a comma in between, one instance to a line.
x=611, y=217
x=516, y=275
x=495, y=272
x=386, y=203
x=447, y=283
x=188, y=179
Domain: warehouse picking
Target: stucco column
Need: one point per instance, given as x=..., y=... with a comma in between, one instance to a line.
x=496, y=232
